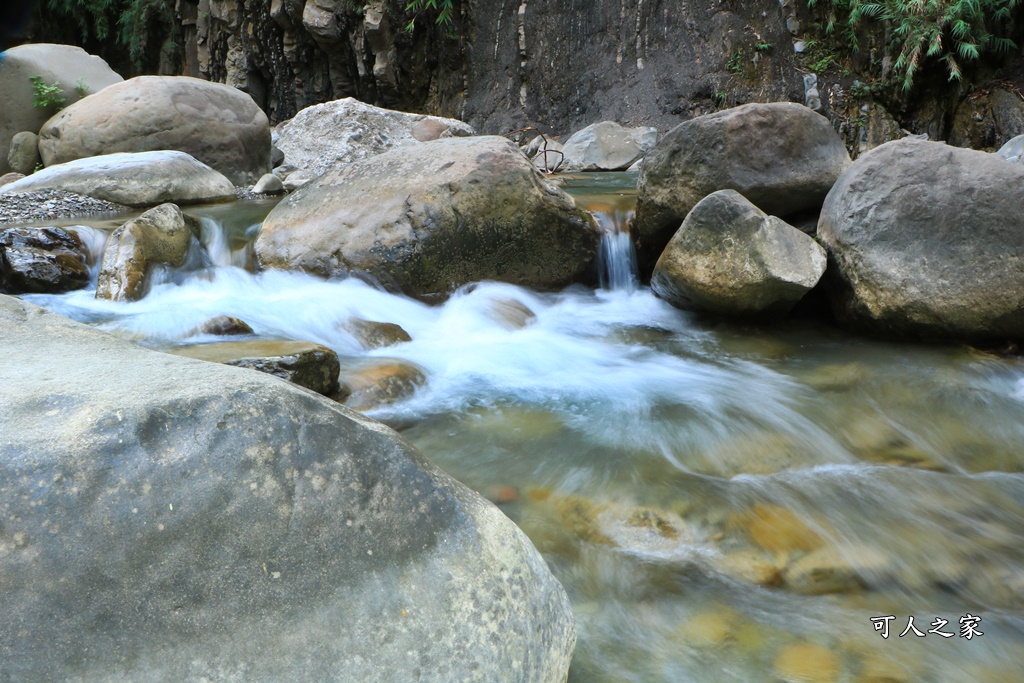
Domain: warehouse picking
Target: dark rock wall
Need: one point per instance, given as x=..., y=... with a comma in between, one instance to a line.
x=503, y=64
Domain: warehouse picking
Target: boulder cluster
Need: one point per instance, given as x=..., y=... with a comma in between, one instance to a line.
x=921, y=239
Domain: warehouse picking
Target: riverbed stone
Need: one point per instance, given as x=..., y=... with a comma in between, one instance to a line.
x=782, y=156
x=42, y=260
x=268, y=184
x=925, y=239
x=837, y=570
x=169, y=519
x=731, y=258
x=23, y=156
x=373, y=334
x=807, y=663
x=428, y=218
x=217, y=124
x=606, y=146
x=224, y=326
x=8, y=178
x=159, y=236
x=777, y=529
x=334, y=134
x=78, y=74
x=375, y=382
x=133, y=179
x=309, y=365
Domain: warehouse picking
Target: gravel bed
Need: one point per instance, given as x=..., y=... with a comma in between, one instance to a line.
x=42, y=205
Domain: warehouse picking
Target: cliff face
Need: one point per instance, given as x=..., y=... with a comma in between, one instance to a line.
x=504, y=64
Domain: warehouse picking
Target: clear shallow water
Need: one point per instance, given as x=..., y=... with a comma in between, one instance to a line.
x=722, y=503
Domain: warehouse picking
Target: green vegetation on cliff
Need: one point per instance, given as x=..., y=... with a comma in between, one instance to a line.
x=922, y=33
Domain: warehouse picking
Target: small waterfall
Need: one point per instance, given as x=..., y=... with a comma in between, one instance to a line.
x=214, y=237
x=95, y=241
x=616, y=255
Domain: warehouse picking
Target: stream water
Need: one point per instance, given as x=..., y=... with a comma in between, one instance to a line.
x=721, y=502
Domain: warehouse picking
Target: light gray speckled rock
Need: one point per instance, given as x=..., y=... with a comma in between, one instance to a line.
x=139, y=179
x=181, y=520
x=337, y=133
x=1013, y=150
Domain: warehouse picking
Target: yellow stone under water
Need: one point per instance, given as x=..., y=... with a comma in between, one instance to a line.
x=807, y=663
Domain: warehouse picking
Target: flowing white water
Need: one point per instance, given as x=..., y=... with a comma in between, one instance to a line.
x=903, y=462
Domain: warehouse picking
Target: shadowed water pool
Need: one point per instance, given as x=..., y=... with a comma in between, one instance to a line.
x=721, y=502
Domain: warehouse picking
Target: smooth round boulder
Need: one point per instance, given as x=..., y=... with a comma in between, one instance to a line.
x=926, y=241
x=141, y=179
x=166, y=519
x=782, y=156
x=75, y=71
x=217, y=124
x=428, y=218
x=731, y=258
x=606, y=146
x=23, y=156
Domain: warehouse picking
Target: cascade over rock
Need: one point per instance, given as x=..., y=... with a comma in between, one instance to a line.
x=926, y=240
x=170, y=519
x=428, y=218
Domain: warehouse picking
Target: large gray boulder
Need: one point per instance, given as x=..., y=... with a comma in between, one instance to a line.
x=334, y=134
x=160, y=236
x=607, y=146
x=140, y=179
x=783, y=157
x=427, y=218
x=76, y=71
x=927, y=241
x=219, y=125
x=731, y=258
x=170, y=519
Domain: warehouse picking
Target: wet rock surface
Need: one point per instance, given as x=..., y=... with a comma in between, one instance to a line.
x=43, y=260
x=309, y=365
x=160, y=236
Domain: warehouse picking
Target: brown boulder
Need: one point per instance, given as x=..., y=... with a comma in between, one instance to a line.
x=431, y=217
x=219, y=125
